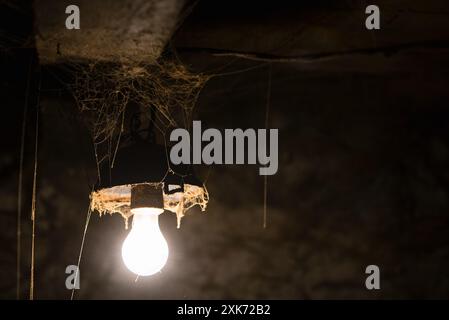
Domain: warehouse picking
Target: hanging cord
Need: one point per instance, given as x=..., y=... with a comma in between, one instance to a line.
x=20, y=184
x=265, y=178
x=86, y=225
x=33, y=200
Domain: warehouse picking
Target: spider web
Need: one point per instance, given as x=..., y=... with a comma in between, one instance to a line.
x=166, y=90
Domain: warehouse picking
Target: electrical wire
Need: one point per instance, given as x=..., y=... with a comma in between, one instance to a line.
x=33, y=200
x=267, y=113
x=20, y=184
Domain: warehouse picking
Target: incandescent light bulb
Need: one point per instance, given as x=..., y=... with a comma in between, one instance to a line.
x=145, y=250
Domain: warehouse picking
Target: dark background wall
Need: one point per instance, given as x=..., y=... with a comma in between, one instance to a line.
x=363, y=161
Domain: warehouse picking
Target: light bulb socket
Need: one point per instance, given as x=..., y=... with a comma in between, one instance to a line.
x=145, y=195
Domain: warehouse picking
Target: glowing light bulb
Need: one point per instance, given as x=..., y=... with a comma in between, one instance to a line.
x=145, y=250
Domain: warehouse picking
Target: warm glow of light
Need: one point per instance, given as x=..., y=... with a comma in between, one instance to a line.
x=145, y=250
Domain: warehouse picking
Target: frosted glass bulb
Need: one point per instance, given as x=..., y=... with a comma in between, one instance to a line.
x=145, y=250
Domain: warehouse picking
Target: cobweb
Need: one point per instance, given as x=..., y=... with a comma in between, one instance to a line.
x=104, y=92
x=117, y=199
